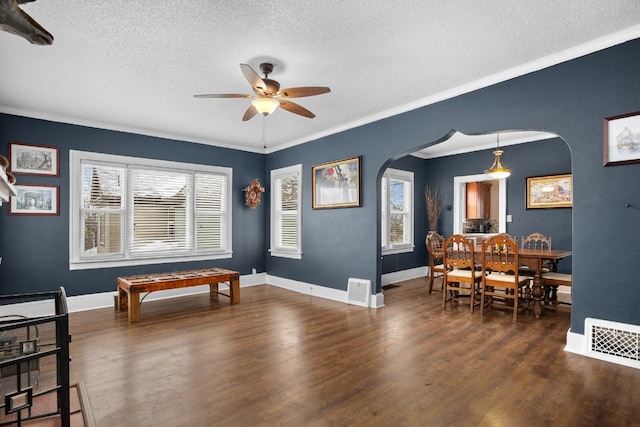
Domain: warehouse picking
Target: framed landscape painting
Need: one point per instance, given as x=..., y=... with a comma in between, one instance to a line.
x=553, y=191
x=29, y=159
x=336, y=184
x=622, y=139
x=35, y=200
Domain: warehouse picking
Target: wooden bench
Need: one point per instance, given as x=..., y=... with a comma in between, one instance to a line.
x=130, y=287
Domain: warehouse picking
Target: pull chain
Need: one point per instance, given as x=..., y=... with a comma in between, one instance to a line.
x=264, y=132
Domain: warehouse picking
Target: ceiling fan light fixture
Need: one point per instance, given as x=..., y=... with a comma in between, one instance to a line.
x=265, y=105
x=497, y=171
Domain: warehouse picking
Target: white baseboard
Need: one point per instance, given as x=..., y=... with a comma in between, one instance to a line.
x=576, y=343
x=79, y=303
x=376, y=301
x=106, y=299
x=399, y=276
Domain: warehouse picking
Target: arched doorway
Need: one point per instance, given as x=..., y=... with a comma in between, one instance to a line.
x=527, y=153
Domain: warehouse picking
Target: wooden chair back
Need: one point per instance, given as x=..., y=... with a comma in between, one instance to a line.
x=435, y=249
x=500, y=274
x=435, y=245
x=461, y=278
x=500, y=254
x=536, y=241
x=459, y=253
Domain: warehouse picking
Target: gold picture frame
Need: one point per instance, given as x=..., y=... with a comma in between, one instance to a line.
x=552, y=191
x=336, y=184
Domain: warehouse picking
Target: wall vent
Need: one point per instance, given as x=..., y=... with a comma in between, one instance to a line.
x=614, y=342
x=359, y=292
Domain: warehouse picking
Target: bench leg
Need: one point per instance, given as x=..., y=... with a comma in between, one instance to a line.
x=134, y=306
x=122, y=300
x=234, y=289
x=213, y=292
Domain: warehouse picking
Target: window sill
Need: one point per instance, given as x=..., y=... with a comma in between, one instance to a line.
x=94, y=264
x=285, y=254
x=398, y=250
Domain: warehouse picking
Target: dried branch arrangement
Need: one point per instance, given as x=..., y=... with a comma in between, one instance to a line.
x=434, y=206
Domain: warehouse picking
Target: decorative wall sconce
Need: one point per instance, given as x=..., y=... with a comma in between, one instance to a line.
x=252, y=194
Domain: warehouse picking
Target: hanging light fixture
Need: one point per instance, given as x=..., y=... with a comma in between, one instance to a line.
x=265, y=105
x=497, y=171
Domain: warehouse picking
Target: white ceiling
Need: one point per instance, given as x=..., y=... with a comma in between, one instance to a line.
x=135, y=65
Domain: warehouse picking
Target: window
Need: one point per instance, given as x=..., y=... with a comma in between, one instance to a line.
x=130, y=211
x=397, y=211
x=286, y=215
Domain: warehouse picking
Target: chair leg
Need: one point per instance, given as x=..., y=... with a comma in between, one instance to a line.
x=431, y=274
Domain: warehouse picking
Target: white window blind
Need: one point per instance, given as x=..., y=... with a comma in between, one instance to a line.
x=158, y=210
x=140, y=209
x=286, y=215
x=397, y=211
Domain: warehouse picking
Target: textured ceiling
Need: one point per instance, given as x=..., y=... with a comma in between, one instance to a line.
x=135, y=65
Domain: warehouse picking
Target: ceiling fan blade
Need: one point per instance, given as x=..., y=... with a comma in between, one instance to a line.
x=253, y=78
x=299, y=92
x=292, y=107
x=248, y=115
x=222, y=95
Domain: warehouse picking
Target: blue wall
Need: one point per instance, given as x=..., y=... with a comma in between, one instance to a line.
x=35, y=249
x=569, y=99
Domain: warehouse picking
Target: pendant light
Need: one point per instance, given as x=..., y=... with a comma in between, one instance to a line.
x=496, y=171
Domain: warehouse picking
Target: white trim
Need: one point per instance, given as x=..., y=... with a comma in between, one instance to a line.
x=502, y=76
x=76, y=157
x=99, y=300
x=294, y=170
x=576, y=343
x=404, y=176
x=459, y=200
x=338, y=295
x=400, y=276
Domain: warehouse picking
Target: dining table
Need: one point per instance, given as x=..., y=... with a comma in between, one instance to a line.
x=535, y=260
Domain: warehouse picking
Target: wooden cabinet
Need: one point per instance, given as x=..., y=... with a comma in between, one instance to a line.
x=478, y=200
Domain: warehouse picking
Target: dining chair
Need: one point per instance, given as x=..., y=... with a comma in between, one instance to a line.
x=535, y=241
x=435, y=245
x=551, y=280
x=501, y=280
x=461, y=278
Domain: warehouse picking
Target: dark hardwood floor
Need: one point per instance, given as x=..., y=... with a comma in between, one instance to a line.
x=280, y=358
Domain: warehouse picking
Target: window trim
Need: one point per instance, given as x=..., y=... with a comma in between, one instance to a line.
x=76, y=158
x=278, y=173
x=407, y=176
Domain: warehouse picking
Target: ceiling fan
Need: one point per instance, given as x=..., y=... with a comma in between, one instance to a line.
x=268, y=95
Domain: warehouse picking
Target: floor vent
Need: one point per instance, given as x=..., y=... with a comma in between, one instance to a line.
x=359, y=292
x=614, y=342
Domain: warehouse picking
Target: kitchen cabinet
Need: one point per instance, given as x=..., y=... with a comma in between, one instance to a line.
x=478, y=200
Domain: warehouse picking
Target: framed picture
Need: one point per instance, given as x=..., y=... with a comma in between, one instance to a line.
x=553, y=191
x=622, y=139
x=336, y=184
x=31, y=159
x=35, y=200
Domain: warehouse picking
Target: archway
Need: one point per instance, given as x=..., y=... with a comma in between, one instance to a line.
x=528, y=153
